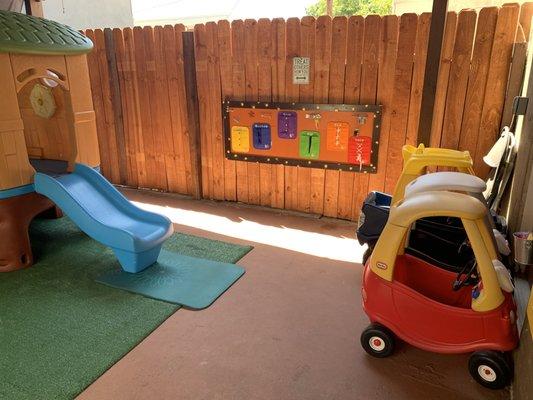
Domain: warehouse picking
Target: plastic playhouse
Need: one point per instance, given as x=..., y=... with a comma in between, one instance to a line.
x=49, y=149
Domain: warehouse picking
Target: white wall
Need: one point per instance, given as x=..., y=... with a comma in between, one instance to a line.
x=191, y=12
x=420, y=6
x=84, y=14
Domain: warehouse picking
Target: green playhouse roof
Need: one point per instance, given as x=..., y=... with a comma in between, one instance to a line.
x=24, y=34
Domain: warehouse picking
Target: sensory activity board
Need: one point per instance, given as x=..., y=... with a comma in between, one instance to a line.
x=332, y=136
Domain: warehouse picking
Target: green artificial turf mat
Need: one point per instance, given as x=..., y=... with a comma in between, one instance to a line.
x=59, y=329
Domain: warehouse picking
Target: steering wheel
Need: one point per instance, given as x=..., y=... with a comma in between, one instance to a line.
x=465, y=250
x=470, y=275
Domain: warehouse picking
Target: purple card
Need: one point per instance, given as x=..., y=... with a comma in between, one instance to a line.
x=287, y=124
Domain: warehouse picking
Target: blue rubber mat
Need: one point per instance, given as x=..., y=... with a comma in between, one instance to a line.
x=189, y=281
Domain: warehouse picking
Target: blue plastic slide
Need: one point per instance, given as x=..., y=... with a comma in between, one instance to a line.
x=101, y=211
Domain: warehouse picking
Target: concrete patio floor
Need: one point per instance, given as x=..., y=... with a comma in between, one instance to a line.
x=288, y=329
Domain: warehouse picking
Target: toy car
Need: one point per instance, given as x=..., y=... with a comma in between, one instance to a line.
x=437, y=310
x=444, y=234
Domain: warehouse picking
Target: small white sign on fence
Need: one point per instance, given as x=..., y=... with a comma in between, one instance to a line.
x=300, y=70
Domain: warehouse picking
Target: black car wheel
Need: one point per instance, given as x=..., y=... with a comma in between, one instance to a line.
x=377, y=341
x=367, y=254
x=491, y=369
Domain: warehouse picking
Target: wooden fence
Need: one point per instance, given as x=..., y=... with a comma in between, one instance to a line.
x=138, y=85
x=140, y=99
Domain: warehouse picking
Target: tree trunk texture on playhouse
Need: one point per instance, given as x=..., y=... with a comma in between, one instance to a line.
x=16, y=214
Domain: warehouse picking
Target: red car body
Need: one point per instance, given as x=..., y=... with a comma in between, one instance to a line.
x=421, y=308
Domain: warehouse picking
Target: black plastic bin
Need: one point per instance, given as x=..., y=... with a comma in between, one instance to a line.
x=373, y=217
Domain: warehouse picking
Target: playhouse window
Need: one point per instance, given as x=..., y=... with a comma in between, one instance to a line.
x=52, y=81
x=25, y=74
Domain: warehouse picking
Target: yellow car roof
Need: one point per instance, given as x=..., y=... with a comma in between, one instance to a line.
x=436, y=203
x=421, y=151
x=450, y=181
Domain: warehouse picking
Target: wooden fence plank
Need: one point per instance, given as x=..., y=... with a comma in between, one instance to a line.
x=518, y=205
x=278, y=35
x=109, y=144
x=164, y=126
x=292, y=94
x=516, y=78
x=400, y=98
x=226, y=85
x=354, y=59
x=339, y=33
x=216, y=128
x=187, y=114
x=167, y=63
x=436, y=33
x=157, y=123
x=352, y=94
x=251, y=94
x=417, y=83
x=117, y=142
x=496, y=84
x=477, y=80
x=114, y=86
x=369, y=87
x=179, y=131
x=264, y=87
x=132, y=96
x=122, y=71
x=150, y=177
x=388, y=54
x=107, y=123
x=193, y=135
x=320, y=95
x=98, y=104
x=202, y=80
x=458, y=81
x=442, y=80
x=207, y=137
x=307, y=49
x=239, y=89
